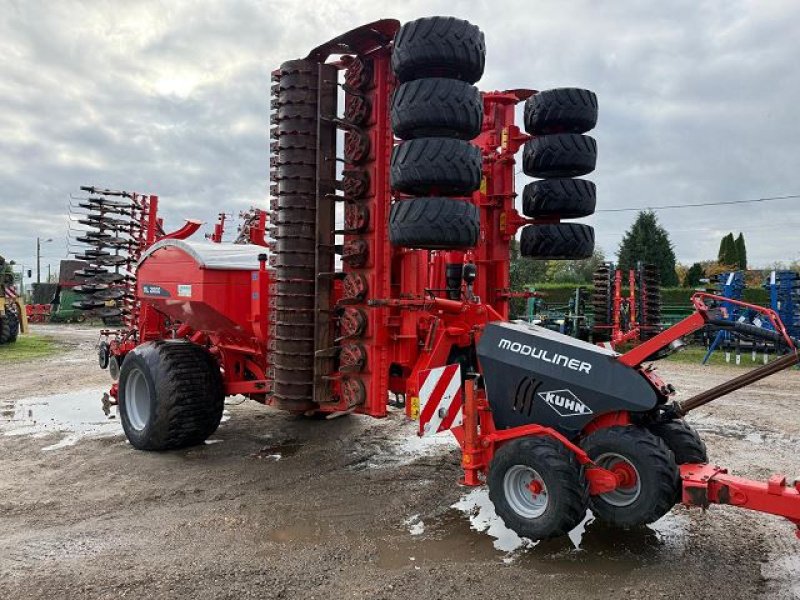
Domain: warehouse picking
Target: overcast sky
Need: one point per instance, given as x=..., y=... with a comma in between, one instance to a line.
x=699, y=102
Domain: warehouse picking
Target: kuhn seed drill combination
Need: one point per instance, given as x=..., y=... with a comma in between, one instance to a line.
x=388, y=277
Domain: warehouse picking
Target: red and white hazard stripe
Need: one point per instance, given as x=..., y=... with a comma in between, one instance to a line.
x=10, y=291
x=440, y=399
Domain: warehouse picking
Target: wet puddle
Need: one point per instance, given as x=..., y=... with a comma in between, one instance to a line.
x=471, y=531
x=300, y=532
x=278, y=451
x=398, y=445
x=72, y=416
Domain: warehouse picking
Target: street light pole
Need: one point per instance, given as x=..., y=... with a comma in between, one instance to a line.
x=39, y=258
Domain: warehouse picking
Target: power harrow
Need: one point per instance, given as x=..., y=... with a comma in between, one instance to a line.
x=382, y=275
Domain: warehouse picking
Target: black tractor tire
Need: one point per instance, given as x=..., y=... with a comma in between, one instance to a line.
x=439, y=47
x=436, y=107
x=5, y=329
x=562, y=198
x=683, y=440
x=656, y=483
x=170, y=395
x=434, y=223
x=563, y=505
x=13, y=327
x=436, y=165
x=561, y=110
x=559, y=241
x=559, y=155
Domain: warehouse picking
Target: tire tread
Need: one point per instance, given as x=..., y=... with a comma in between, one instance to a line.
x=449, y=166
x=559, y=241
x=439, y=46
x=434, y=223
x=436, y=107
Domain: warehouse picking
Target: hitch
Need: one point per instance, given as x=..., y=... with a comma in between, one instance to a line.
x=704, y=485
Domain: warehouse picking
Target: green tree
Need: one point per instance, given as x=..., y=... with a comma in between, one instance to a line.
x=647, y=241
x=727, y=251
x=6, y=272
x=523, y=272
x=741, y=252
x=694, y=275
x=574, y=271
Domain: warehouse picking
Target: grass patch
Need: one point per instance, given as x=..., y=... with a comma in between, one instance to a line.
x=28, y=347
x=694, y=355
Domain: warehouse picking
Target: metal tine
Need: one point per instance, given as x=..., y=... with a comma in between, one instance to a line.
x=105, y=192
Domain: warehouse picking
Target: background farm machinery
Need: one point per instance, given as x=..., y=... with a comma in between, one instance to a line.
x=13, y=316
x=382, y=271
x=618, y=309
x=784, y=299
x=620, y=318
x=570, y=318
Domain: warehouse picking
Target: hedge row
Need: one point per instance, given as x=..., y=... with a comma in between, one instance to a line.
x=560, y=293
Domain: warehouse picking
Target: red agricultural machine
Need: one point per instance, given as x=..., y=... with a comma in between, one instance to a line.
x=382, y=273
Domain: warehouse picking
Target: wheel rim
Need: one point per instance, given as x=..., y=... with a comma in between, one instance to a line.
x=629, y=487
x=137, y=400
x=525, y=491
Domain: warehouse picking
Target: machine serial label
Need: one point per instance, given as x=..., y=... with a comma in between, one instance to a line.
x=185, y=291
x=154, y=290
x=539, y=354
x=565, y=403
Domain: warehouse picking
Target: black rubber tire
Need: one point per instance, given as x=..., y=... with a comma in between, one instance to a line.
x=559, y=241
x=562, y=198
x=5, y=330
x=185, y=391
x=434, y=223
x=439, y=47
x=436, y=165
x=567, y=491
x=13, y=327
x=657, y=472
x=559, y=155
x=103, y=353
x=683, y=440
x=561, y=110
x=436, y=107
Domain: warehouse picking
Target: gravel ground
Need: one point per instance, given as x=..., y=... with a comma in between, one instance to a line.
x=279, y=507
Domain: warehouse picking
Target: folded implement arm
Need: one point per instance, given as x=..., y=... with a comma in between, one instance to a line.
x=705, y=484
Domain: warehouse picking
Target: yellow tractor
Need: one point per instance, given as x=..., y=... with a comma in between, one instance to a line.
x=13, y=318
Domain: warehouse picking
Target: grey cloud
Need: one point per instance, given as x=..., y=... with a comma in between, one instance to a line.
x=697, y=104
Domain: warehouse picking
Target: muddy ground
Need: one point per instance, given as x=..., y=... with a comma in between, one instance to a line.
x=278, y=507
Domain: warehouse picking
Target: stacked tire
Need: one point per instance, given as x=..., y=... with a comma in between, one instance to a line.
x=436, y=110
x=558, y=153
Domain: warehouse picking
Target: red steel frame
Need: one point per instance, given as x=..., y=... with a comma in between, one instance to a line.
x=702, y=484
x=412, y=324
